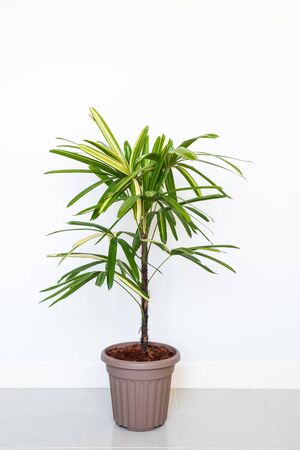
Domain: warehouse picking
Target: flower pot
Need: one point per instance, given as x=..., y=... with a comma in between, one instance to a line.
x=140, y=391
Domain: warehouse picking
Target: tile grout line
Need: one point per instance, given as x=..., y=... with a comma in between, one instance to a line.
x=84, y=428
x=39, y=447
x=259, y=399
x=268, y=417
x=140, y=447
x=177, y=418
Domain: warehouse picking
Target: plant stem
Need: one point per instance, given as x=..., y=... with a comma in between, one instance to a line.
x=144, y=271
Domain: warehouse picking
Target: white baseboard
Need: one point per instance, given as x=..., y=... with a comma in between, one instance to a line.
x=219, y=374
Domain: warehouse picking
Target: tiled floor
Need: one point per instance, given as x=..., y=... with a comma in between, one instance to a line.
x=198, y=419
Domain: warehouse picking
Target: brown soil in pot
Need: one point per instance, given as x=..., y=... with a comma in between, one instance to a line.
x=133, y=352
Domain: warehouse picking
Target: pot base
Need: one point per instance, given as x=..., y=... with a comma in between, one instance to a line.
x=140, y=429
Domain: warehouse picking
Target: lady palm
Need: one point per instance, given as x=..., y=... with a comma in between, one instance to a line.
x=141, y=180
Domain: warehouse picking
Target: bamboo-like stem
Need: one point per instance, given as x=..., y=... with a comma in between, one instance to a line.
x=144, y=271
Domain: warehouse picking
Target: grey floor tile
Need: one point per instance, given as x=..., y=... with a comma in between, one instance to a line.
x=218, y=400
x=287, y=426
x=39, y=428
x=288, y=399
x=56, y=399
x=5, y=395
x=242, y=429
x=173, y=400
x=101, y=431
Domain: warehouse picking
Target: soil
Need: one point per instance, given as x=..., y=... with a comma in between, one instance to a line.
x=133, y=352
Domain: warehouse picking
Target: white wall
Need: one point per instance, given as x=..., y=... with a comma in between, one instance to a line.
x=184, y=67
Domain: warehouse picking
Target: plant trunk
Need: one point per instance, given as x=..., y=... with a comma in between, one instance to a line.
x=144, y=270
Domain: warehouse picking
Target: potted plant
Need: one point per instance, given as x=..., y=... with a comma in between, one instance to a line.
x=140, y=180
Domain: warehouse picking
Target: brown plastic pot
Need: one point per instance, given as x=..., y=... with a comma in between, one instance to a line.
x=140, y=391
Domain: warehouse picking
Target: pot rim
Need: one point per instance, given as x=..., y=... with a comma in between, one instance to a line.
x=140, y=365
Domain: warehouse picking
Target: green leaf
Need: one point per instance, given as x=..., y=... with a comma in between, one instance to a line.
x=215, y=165
x=92, y=225
x=190, y=180
x=218, y=261
x=106, y=150
x=73, y=273
x=155, y=177
x=56, y=286
x=150, y=156
x=102, y=168
x=162, y=226
x=106, y=170
x=187, y=166
x=75, y=156
x=89, y=209
x=198, y=213
x=128, y=233
x=172, y=222
x=132, y=286
x=225, y=160
x=68, y=146
x=67, y=140
x=84, y=192
x=114, y=193
x=170, y=184
x=203, y=198
x=230, y=157
x=177, y=208
x=130, y=258
x=186, y=224
x=158, y=144
x=235, y=167
x=79, y=255
x=73, y=285
x=127, y=205
x=188, y=142
x=108, y=160
x=74, y=288
x=126, y=270
x=100, y=279
x=80, y=243
x=150, y=194
x=138, y=147
x=68, y=229
x=111, y=261
x=145, y=149
x=185, y=153
x=198, y=247
x=136, y=242
x=66, y=286
x=196, y=261
x=68, y=171
x=127, y=151
x=158, y=244
x=110, y=139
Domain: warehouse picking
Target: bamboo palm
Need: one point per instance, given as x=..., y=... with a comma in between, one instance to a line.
x=141, y=180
